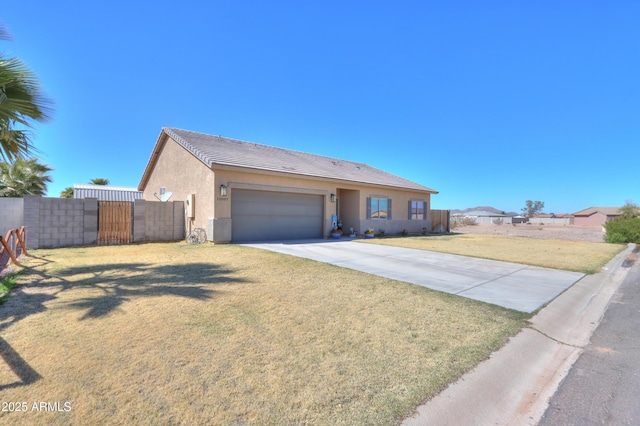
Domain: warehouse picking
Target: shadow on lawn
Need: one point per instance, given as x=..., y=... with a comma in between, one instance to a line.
x=19, y=366
x=114, y=284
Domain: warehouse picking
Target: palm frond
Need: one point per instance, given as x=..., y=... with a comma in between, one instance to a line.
x=21, y=102
x=21, y=98
x=24, y=177
x=15, y=143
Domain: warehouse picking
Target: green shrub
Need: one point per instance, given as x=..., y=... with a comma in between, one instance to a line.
x=6, y=284
x=623, y=230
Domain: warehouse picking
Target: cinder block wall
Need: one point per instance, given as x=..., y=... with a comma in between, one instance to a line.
x=157, y=221
x=11, y=214
x=90, y=221
x=60, y=222
x=179, y=223
x=54, y=222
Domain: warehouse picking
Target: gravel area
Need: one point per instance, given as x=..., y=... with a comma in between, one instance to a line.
x=560, y=232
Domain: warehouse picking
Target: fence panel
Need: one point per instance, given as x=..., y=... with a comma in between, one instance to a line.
x=115, y=222
x=440, y=220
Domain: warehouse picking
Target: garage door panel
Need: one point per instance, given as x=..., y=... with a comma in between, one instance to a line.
x=265, y=215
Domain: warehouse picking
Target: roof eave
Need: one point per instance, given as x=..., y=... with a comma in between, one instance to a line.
x=313, y=176
x=153, y=159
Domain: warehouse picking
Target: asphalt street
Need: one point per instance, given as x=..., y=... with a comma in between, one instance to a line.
x=516, y=384
x=604, y=384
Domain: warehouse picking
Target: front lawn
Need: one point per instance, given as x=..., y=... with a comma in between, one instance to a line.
x=578, y=256
x=179, y=334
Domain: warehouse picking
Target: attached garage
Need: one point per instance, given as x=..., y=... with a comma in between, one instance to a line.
x=267, y=215
x=243, y=191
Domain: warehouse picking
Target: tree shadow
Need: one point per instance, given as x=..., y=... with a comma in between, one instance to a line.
x=116, y=284
x=20, y=306
x=113, y=286
x=19, y=366
x=16, y=308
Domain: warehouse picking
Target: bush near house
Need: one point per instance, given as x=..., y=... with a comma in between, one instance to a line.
x=623, y=230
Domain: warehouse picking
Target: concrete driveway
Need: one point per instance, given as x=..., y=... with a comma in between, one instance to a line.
x=511, y=285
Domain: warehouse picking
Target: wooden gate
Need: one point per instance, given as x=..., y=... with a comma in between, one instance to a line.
x=440, y=219
x=115, y=222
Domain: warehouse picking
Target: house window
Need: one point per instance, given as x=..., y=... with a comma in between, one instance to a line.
x=417, y=210
x=378, y=208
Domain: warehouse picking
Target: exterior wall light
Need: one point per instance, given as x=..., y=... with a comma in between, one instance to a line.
x=333, y=198
x=223, y=190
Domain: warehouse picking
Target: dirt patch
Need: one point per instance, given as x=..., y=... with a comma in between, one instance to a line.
x=558, y=232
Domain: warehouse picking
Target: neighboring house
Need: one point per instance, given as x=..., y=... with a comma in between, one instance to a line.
x=242, y=191
x=484, y=217
x=595, y=216
x=519, y=219
x=552, y=219
x=106, y=193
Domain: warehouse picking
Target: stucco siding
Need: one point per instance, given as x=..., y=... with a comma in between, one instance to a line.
x=352, y=211
x=399, y=211
x=595, y=219
x=182, y=174
x=349, y=209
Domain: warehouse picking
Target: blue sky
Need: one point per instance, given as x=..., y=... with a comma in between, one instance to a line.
x=490, y=103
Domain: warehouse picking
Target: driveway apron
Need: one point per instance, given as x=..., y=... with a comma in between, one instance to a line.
x=510, y=285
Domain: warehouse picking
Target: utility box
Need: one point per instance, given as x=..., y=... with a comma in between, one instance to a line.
x=190, y=206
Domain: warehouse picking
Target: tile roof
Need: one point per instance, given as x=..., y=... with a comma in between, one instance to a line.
x=217, y=150
x=609, y=211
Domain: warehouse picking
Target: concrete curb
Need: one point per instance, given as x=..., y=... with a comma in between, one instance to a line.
x=515, y=384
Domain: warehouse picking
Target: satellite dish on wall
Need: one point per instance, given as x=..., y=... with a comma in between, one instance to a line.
x=164, y=197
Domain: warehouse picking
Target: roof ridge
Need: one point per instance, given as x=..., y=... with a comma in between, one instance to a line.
x=224, y=151
x=269, y=146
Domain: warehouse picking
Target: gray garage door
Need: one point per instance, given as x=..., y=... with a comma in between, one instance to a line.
x=266, y=215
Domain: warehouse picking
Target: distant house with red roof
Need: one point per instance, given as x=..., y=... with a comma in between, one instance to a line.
x=595, y=216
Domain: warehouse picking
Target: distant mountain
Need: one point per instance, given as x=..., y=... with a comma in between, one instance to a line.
x=483, y=208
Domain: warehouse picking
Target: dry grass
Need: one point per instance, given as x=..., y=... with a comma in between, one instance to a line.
x=579, y=256
x=176, y=334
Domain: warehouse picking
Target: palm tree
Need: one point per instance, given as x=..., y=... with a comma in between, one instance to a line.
x=67, y=192
x=99, y=181
x=21, y=102
x=23, y=177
